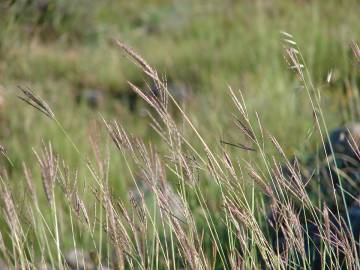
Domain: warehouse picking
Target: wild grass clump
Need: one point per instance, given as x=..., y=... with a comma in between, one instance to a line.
x=265, y=210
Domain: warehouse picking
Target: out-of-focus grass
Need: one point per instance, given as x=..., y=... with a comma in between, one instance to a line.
x=206, y=44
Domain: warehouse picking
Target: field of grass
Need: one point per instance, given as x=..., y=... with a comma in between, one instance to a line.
x=112, y=160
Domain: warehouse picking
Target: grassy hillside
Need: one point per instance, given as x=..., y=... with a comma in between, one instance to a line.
x=215, y=58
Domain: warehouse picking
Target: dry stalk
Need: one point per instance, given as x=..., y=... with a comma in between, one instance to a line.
x=49, y=168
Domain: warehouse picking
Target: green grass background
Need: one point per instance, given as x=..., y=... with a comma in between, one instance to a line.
x=208, y=45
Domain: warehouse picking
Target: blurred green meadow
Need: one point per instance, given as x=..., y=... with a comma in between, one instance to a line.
x=65, y=51
x=60, y=48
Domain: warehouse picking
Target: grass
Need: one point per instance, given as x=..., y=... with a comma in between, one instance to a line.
x=161, y=190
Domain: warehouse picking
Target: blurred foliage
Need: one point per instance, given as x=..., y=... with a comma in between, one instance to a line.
x=61, y=47
x=72, y=20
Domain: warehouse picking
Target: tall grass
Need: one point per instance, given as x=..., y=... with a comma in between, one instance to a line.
x=260, y=213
